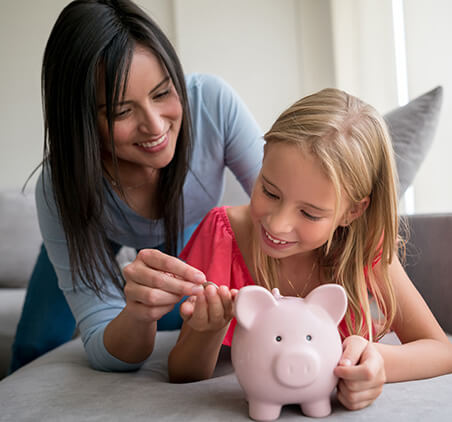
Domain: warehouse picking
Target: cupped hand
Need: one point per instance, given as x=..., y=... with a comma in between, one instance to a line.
x=361, y=373
x=209, y=309
x=155, y=282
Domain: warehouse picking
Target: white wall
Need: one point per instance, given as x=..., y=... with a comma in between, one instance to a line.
x=365, y=65
x=272, y=52
x=258, y=46
x=429, y=57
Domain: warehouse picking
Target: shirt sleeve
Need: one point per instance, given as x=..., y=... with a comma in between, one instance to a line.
x=91, y=313
x=210, y=249
x=243, y=138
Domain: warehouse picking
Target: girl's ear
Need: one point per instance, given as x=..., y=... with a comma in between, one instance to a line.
x=355, y=211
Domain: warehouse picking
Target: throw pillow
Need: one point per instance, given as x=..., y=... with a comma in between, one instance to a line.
x=412, y=128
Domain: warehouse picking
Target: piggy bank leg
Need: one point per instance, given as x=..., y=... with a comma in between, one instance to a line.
x=263, y=411
x=317, y=409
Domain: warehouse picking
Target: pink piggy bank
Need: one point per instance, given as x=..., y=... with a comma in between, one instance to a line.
x=284, y=349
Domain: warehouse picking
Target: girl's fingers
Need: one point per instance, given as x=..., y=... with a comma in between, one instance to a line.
x=226, y=299
x=200, y=317
x=353, y=348
x=215, y=305
x=187, y=307
x=354, y=400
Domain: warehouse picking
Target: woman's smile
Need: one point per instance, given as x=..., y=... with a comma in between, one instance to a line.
x=155, y=145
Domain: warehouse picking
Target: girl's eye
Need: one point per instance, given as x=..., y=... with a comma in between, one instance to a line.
x=268, y=193
x=309, y=216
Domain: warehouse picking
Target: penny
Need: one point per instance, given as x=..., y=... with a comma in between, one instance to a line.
x=209, y=282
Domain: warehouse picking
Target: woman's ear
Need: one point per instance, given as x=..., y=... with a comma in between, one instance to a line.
x=355, y=211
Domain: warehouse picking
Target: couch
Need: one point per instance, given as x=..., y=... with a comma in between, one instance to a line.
x=61, y=385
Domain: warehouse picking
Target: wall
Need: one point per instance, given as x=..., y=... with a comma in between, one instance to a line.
x=271, y=52
x=429, y=62
x=261, y=47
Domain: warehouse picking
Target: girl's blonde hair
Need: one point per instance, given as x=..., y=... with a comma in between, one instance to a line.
x=350, y=141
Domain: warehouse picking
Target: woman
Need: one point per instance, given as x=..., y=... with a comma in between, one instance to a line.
x=134, y=155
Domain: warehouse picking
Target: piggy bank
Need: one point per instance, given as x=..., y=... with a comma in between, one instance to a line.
x=284, y=349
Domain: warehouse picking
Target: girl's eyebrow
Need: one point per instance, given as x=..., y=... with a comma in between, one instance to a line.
x=156, y=88
x=307, y=204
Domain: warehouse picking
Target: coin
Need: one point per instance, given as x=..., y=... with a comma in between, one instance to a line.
x=209, y=282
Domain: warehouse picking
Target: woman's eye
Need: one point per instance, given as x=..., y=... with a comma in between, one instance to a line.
x=268, y=193
x=121, y=113
x=162, y=94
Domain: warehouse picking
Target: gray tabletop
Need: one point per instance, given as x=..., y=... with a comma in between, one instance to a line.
x=61, y=386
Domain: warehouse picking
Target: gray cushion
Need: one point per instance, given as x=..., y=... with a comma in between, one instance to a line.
x=19, y=238
x=11, y=301
x=428, y=257
x=412, y=128
x=61, y=386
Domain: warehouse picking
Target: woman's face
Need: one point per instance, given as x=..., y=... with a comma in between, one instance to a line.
x=293, y=203
x=147, y=120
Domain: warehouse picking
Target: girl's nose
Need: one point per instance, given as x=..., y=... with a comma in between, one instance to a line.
x=279, y=221
x=151, y=122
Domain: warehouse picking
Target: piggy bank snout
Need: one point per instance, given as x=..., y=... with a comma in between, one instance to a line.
x=296, y=368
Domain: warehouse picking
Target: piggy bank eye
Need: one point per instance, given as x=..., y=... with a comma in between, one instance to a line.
x=309, y=337
x=278, y=338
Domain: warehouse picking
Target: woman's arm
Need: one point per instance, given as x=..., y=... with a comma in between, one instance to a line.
x=155, y=282
x=206, y=320
x=117, y=332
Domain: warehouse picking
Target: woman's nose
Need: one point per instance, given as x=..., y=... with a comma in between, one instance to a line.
x=151, y=122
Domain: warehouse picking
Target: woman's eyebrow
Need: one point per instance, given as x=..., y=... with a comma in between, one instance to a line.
x=156, y=88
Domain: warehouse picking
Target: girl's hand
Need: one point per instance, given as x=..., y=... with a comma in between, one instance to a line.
x=155, y=282
x=210, y=309
x=361, y=372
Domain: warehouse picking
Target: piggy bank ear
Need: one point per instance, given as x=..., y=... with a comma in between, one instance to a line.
x=332, y=298
x=250, y=301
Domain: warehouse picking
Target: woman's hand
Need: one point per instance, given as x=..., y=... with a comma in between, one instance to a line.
x=155, y=282
x=209, y=309
x=362, y=373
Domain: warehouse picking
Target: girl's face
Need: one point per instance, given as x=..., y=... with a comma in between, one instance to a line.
x=147, y=121
x=293, y=203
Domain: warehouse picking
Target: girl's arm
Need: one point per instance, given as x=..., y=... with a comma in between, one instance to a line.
x=206, y=320
x=425, y=351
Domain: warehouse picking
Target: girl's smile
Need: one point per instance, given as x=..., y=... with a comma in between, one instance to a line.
x=275, y=242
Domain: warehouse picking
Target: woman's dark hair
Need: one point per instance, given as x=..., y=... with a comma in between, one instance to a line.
x=92, y=41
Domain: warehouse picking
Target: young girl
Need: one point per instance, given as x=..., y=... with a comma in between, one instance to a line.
x=323, y=210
